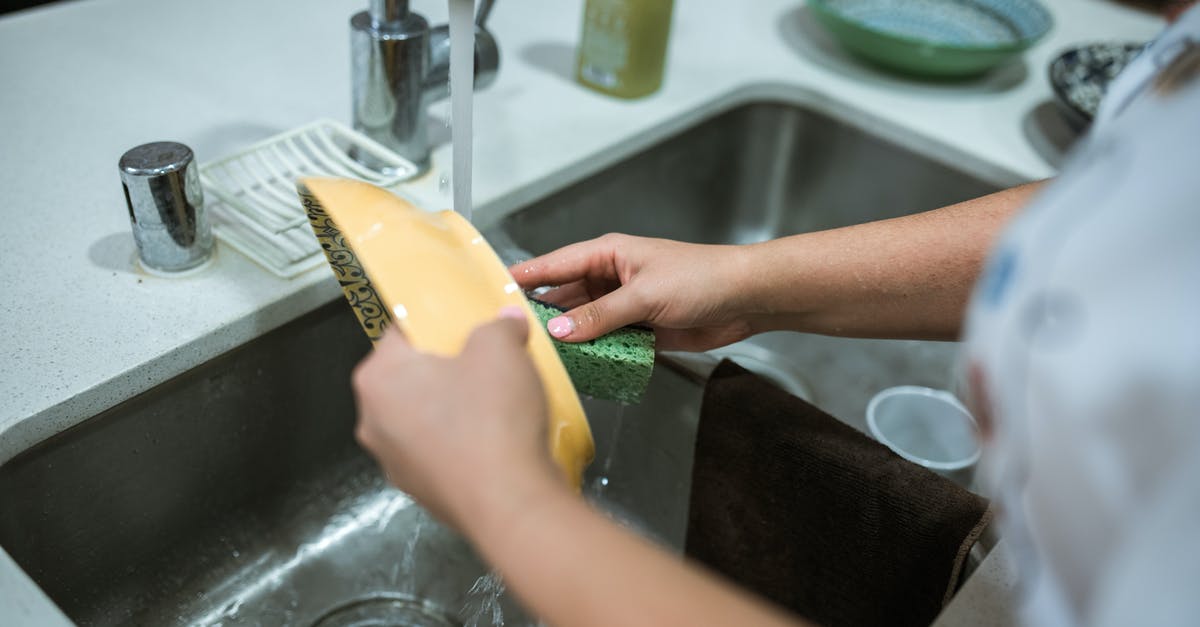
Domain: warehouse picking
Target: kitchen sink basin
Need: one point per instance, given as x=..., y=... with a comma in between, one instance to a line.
x=236, y=495
x=757, y=172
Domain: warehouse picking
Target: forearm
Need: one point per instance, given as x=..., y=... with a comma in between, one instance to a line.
x=905, y=277
x=574, y=567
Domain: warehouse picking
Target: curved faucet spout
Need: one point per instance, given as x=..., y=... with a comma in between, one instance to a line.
x=399, y=65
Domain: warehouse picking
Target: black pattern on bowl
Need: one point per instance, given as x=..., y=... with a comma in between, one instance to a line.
x=1080, y=77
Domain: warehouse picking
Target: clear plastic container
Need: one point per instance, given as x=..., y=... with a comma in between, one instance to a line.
x=925, y=426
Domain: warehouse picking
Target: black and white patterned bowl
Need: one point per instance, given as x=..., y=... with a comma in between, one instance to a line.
x=1080, y=77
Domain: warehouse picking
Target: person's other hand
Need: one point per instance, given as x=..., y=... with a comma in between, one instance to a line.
x=687, y=292
x=464, y=436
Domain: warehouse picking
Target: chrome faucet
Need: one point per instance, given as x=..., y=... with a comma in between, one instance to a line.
x=399, y=65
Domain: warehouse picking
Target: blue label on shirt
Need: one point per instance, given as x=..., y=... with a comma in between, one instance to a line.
x=997, y=277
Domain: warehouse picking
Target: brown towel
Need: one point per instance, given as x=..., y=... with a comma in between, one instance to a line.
x=812, y=514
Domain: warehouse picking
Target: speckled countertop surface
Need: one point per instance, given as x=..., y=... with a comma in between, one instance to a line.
x=83, y=81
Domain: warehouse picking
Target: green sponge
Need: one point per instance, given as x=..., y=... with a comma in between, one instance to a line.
x=616, y=366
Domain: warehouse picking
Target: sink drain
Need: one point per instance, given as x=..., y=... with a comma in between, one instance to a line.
x=387, y=611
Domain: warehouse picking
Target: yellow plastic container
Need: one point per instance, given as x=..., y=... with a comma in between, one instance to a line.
x=624, y=46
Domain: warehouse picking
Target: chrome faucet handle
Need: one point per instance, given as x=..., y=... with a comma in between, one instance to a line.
x=399, y=64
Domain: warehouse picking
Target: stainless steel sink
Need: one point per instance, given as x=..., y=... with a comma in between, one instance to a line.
x=758, y=172
x=235, y=494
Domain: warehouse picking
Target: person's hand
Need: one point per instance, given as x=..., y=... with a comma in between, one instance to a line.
x=687, y=292
x=464, y=436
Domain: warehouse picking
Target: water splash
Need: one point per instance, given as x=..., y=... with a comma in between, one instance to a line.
x=601, y=483
x=483, y=602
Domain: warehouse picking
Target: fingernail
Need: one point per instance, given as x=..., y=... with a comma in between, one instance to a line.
x=560, y=327
x=512, y=311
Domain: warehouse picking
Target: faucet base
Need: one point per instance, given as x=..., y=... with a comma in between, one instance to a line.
x=399, y=65
x=401, y=174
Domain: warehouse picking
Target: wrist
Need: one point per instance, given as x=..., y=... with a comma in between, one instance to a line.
x=750, y=285
x=497, y=507
x=772, y=286
x=732, y=280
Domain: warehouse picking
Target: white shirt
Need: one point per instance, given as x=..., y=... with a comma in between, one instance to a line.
x=1084, y=340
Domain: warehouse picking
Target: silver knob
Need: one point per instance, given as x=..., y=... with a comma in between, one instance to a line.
x=166, y=206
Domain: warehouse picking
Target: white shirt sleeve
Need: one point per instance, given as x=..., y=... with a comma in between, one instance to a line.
x=1155, y=578
x=1085, y=330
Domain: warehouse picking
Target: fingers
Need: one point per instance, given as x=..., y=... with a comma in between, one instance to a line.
x=508, y=332
x=392, y=337
x=567, y=296
x=590, y=321
x=567, y=264
x=390, y=347
x=511, y=311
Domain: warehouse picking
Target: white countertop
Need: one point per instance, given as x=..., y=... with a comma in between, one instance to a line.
x=84, y=81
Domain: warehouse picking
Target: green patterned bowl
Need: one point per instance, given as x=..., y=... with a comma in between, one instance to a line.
x=935, y=38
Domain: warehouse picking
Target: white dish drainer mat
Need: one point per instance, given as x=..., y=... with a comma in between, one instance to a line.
x=258, y=211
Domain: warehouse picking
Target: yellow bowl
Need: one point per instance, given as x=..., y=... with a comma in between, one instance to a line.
x=434, y=276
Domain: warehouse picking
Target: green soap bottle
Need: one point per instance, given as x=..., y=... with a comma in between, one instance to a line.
x=624, y=46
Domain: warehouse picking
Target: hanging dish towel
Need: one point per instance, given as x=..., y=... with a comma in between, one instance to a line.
x=810, y=513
